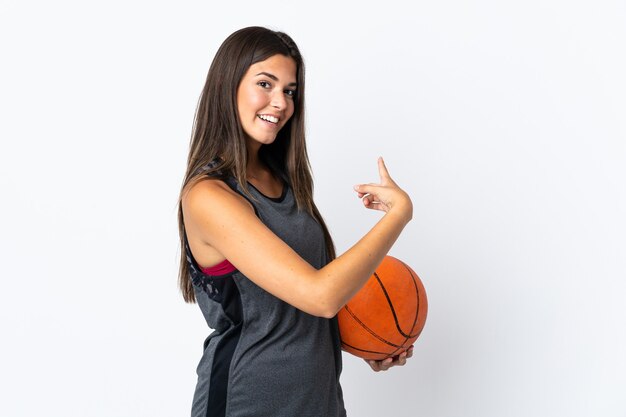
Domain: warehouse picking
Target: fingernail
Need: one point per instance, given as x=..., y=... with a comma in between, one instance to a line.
x=356, y=188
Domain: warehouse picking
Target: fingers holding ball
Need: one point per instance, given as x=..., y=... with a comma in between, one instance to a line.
x=398, y=360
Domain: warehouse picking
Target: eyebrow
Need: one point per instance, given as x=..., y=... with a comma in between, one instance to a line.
x=275, y=78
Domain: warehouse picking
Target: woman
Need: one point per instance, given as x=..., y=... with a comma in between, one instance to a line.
x=257, y=256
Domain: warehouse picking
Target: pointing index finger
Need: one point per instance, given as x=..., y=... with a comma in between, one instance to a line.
x=382, y=169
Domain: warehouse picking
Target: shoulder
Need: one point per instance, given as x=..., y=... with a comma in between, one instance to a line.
x=209, y=194
x=211, y=208
x=202, y=185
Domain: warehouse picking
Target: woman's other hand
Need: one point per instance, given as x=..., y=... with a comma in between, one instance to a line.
x=385, y=196
x=398, y=360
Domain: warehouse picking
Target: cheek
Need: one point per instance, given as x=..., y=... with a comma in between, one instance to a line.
x=250, y=101
x=291, y=110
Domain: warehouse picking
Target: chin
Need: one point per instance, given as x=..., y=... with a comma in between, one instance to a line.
x=266, y=140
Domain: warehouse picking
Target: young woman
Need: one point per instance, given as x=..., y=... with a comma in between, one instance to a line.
x=257, y=256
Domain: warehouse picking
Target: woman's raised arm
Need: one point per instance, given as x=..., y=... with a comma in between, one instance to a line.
x=227, y=222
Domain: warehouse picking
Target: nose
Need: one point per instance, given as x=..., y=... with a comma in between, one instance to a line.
x=278, y=100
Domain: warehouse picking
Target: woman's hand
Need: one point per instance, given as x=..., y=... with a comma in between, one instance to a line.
x=398, y=360
x=386, y=196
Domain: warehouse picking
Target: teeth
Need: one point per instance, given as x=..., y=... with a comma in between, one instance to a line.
x=271, y=119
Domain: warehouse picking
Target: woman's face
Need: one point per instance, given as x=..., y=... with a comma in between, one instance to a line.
x=265, y=98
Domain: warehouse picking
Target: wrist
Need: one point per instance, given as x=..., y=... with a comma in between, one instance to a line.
x=402, y=211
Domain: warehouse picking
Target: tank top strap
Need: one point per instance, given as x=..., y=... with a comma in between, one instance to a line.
x=210, y=166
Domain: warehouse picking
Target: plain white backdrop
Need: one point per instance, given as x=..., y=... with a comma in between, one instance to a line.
x=505, y=121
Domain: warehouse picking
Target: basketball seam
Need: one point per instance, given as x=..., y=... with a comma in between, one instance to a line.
x=370, y=331
x=393, y=311
x=417, y=294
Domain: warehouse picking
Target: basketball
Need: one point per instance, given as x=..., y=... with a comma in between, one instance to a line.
x=387, y=315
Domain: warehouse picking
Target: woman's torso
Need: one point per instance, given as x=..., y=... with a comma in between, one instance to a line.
x=266, y=357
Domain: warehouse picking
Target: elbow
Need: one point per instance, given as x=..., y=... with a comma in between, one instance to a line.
x=327, y=308
x=319, y=310
x=324, y=301
x=329, y=314
x=325, y=313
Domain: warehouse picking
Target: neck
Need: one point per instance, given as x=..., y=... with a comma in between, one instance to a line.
x=254, y=166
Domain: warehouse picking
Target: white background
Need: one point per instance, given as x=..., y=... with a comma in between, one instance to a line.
x=505, y=121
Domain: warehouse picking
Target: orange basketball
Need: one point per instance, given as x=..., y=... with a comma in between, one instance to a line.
x=387, y=315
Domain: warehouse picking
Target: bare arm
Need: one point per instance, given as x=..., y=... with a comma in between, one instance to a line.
x=236, y=233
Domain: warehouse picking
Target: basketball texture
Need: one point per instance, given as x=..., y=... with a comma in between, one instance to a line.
x=387, y=315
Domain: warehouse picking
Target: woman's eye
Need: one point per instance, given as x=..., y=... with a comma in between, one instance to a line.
x=263, y=84
x=290, y=93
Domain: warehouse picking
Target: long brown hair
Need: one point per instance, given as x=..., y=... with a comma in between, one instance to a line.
x=217, y=131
